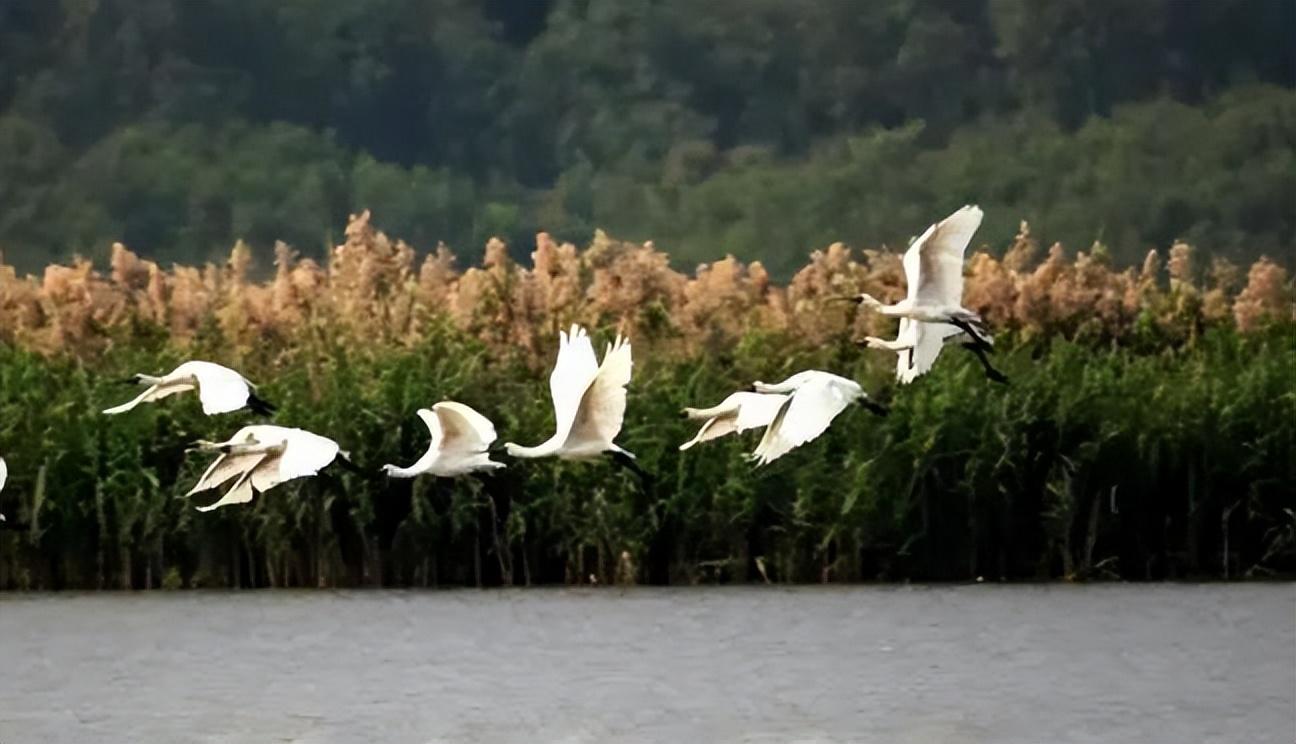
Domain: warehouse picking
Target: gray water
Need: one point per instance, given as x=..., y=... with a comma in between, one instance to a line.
x=1163, y=663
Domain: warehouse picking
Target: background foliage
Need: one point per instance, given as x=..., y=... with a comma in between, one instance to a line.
x=1149, y=432
x=757, y=127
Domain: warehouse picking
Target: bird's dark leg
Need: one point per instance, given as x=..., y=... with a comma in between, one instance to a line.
x=628, y=462
x=973, y=330
x=990, y=371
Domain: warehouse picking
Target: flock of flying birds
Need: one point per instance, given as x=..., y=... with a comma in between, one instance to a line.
x=589, y=398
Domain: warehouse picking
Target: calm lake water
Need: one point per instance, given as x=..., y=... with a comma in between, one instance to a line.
x=1029, y=664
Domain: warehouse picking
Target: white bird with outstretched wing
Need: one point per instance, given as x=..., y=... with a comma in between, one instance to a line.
x=589, y=402
x=260, y=457
x=933, y=267
x=461, y=439
x=814, y=399
x=220, y=389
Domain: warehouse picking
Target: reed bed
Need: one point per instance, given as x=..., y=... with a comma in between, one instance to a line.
x=1150, y=430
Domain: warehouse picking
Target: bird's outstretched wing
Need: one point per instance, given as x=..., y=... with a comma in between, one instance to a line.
x=225, y=467
x=736, y=413
x=572, y=376
x=151, y=393
x=304, y=454
x=939, y=257
x=4, y=473
x=458, y=428
x=220, y=389
x=241, y=492
x=602, y=408
x=803, y=416
x=928, y=339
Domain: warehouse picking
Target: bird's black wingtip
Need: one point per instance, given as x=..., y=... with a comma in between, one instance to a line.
x=875, y=407
x=261, y=406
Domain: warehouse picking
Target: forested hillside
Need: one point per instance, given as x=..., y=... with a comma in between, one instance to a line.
x=764, y=128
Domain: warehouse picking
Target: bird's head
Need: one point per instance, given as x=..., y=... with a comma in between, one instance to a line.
x=512, y=450
x=388, y=470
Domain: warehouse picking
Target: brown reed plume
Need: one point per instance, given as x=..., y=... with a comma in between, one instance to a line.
x=371, y=291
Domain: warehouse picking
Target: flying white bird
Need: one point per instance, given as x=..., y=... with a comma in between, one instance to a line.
x=814, y=400
x=461, y=438
x=589, y=402
x=918, y=343
x=220, y=389
x=738, y=412
x=933, y=268
x=261, y=457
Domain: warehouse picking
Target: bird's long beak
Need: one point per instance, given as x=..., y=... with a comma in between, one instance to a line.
x=844, y=298
x=132, y=380
x=201, y=445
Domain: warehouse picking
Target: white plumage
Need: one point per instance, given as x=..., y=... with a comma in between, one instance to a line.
x=933, y=268
x=736, y=413
x=4, y=475
x=220, y=389
x=814, y=399
x=917, y=345
x=461, y=438
x=589, y=400
x=261, y=457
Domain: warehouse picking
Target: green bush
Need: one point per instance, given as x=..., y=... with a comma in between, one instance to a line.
x=1095, y=462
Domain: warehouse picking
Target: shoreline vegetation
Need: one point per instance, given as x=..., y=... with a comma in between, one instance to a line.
x=1149, y=431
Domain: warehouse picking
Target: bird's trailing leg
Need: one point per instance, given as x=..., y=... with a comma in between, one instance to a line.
x=990, y=371
x=975, y=331
x=627, y=461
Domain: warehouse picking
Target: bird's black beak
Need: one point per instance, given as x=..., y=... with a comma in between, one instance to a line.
x=132, y=380
x=845, y=298
x=497, y=449
x=875, y=407
x=682, y=415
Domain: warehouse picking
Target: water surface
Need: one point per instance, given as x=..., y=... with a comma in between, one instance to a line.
x=1028, y=664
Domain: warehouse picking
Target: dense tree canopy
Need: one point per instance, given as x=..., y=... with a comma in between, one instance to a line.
x=757, y=127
